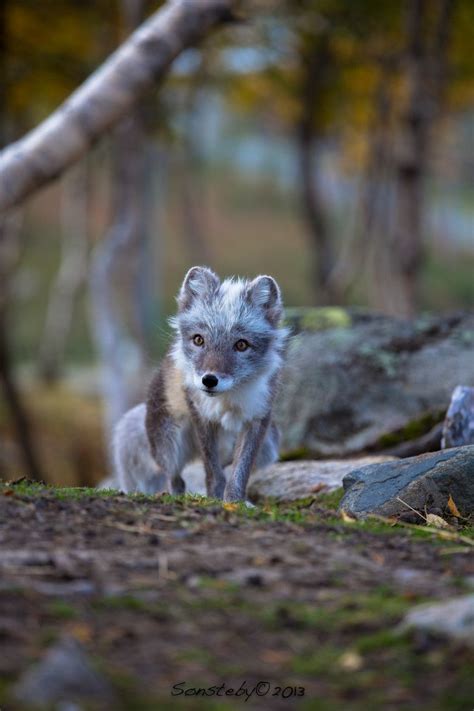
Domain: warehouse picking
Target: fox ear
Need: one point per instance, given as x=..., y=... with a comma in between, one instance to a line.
x=198, y=282
x=265, y=292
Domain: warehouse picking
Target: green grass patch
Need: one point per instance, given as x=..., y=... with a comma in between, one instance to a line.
x=319, y=662
x=382, y=639
x=331, y=499
x=344, y=614
x=62, y=609
x=32, y=488
x=320, y=509
x=133, y=603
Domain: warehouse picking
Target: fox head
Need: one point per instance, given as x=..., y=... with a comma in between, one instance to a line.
x=228, y=332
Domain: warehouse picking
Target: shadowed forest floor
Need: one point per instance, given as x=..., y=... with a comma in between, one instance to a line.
x=160, y=591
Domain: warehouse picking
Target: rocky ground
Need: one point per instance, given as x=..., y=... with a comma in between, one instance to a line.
x=124, y=598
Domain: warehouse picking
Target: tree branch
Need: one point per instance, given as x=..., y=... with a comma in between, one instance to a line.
x=108, y=94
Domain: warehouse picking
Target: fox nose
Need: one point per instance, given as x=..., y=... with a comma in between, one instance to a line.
x=209, y=380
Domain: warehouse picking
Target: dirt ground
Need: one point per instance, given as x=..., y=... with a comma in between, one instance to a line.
x=289, y=603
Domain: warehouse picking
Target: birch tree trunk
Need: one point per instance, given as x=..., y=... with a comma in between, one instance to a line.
x=360, y=256
x=71, y=274
x=314, y=68
x=106, y=97
x=117, y=267
x=115, y=262
x=376, y=200
x=188, y=164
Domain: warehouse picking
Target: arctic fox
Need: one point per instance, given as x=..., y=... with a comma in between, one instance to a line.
x=212, y=394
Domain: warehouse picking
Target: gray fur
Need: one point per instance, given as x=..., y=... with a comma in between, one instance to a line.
x=135, y=469
x=230, y=422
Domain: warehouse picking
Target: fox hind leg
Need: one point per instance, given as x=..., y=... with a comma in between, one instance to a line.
x=135, y=469
x=270, y=447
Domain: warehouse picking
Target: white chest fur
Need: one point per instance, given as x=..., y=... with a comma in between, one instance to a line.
x=242, y=404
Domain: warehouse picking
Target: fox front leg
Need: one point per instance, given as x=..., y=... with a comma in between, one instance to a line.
x=245, y=456
x=171, y=444
x=215, y=479
x=207, y=434
x=171, y=454
x=171, y=448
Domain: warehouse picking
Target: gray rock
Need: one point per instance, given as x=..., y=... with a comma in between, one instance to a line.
x=288, y=481
x=423, y=481
x=65, y=674
x=364, y=377
x=458, y=428
x=453, y=618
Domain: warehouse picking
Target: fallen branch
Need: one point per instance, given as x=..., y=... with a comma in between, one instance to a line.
x=106, y=97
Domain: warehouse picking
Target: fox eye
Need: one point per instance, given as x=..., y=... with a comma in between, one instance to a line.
x=241, y=345
x=198, y=340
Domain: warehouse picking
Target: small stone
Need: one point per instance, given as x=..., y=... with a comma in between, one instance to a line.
x=65, y=674
x=350, y=661
x=453, y=618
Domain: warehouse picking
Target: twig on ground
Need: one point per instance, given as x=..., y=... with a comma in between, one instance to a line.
x=441, y=533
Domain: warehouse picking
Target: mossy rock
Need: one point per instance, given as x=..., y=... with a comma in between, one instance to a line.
x=312, y=319
x=359, y=382
x=412, y=430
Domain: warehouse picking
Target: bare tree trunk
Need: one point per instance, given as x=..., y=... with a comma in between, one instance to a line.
x=411, y=164
x=15, y=404
x=9, y=246
x=191, y=208
x=136, y=171
x=149, y=276
x=106, y=97
x=424, y=70
x=358, y=256
x=146, y=287
x=9, y=235
x=192, y=195
x=118, y=260
x=323, y=257
x=71, y=274
x=114, y=267
x=376, y=201
x=314, y=69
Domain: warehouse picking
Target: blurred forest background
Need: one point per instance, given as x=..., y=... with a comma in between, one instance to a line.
x=326, y=142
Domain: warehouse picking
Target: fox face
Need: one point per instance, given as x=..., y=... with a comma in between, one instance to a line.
x=227, y=332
